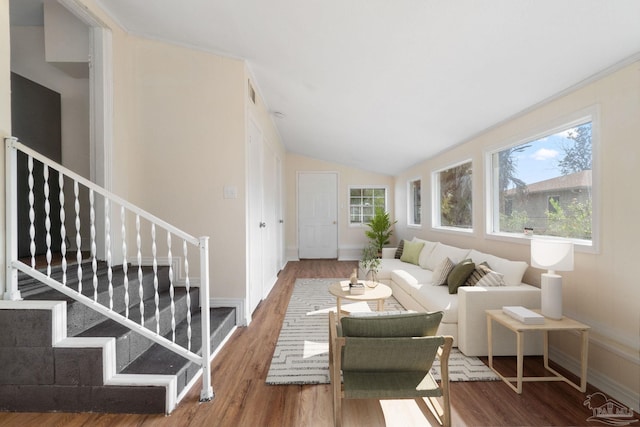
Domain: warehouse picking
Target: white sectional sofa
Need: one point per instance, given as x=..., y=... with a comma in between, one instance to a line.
x=464, y=311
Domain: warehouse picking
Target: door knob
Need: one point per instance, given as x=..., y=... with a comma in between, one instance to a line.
x=263, y=224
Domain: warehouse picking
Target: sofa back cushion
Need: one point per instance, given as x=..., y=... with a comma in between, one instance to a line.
x=442, y=251
x=426, y=251
x=512, y=270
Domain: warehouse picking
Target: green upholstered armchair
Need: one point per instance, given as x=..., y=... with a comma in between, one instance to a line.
x=389, y=357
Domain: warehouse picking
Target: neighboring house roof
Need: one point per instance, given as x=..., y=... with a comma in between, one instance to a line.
x=566, y=182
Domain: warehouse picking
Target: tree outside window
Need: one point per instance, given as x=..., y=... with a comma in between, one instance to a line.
x=454, y=197
x=415, y=204
x=546, y=184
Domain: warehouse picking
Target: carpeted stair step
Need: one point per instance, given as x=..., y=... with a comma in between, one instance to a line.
x=80, y=317
x=129, y=344
x=159, y=360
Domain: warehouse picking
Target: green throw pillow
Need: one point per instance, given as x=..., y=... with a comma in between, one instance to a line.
x=459, y=275
x=411, y=252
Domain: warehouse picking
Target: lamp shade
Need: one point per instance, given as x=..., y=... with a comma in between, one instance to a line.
x=552, y=254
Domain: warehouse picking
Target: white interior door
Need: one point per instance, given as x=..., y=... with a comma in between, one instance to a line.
x=317, y=215
x=270, y=217
x=255, y=235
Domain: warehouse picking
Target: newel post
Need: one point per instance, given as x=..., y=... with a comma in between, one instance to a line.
x=207, y=390
x=10, y=291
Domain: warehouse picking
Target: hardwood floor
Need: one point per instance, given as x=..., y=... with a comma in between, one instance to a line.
x=243, y=398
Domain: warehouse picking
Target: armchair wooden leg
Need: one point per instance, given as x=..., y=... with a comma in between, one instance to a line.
x=337, y=410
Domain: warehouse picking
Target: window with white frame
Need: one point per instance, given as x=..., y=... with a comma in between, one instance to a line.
x=363, y=202
x=545, y=183
x=452, y=197
x=415, y=206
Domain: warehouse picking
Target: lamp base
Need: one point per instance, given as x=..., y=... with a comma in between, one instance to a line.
x=551, y=287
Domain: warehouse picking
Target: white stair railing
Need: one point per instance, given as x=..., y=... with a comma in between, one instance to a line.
x=152, y=328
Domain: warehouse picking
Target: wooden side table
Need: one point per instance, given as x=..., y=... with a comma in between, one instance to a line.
x=564, y=324
x=340, y=290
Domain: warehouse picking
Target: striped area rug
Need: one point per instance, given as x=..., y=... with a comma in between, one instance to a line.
x=302, y=351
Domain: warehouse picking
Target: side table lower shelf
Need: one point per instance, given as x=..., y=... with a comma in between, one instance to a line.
x=519, y=328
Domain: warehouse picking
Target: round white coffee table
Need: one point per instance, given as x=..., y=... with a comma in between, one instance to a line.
x=378, y=292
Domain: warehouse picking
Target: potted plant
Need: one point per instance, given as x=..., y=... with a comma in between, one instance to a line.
x=370, y=263
x=380, y=230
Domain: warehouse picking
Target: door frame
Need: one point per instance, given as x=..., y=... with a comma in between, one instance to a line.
x=100, y=107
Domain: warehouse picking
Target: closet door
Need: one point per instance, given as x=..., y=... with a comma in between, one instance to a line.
x=265, y=227
x=271, y=216
x=255, y=218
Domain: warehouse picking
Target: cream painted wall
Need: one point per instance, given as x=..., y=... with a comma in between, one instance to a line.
x=351, y=240
x=189, y=142
x=179, y=136
x=5, y=120
x=603, y=291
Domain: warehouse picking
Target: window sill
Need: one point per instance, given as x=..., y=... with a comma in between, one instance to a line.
x=453, y=230
x=583, y=246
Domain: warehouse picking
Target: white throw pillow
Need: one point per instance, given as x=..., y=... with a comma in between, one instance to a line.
x=427, y=249
x=442, y=251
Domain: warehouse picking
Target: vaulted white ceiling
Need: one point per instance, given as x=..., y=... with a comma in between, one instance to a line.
x=384, y=84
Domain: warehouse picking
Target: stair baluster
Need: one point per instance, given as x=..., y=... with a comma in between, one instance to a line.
x=140, y=276
x=171, y=290
x=63, y=229
x=125, y=264
x=32, y=214
x=47, y=218
x=107, y=226
x=94, y=260
x=156, y=295
x=187, y=286
x=76, y=192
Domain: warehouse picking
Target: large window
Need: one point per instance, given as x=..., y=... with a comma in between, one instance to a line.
x=452, y=197
x=363, y=201
x=545, y=183
x=415, y=205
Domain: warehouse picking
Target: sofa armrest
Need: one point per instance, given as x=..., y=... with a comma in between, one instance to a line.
x=472, y=319
x=389, y=252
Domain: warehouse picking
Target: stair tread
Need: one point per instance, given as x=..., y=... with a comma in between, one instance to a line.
x=159, y=360
x=110, y=327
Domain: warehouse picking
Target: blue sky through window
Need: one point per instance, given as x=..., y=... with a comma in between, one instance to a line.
x=540, y=161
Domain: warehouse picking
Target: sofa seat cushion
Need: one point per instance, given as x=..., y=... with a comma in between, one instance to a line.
x=387, y=265
x=410, y=279
x=438, y=298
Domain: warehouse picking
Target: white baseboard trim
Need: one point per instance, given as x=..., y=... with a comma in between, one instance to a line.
x=238, y=304
x=619, y=392
x=291, y=254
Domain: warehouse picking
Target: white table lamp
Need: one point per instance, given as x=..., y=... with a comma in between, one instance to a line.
x=553, y=255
